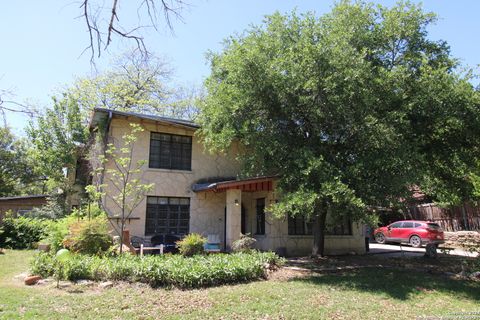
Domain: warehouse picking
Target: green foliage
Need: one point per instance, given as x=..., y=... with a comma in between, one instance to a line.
x=349, y=109
x=56, y=231
x=56, y=138
x=55, y=208
x=89, y=210
x=21, y=232
x=43, y=264
x=244, y=244
x=134, y=83
x=192, y=244
x=16, y=168
x=88, y=236
x=167, y=270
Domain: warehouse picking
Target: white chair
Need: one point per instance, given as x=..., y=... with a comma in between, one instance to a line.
x=213, y=243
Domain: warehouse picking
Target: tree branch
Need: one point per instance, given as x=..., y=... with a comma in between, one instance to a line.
x=110, y=22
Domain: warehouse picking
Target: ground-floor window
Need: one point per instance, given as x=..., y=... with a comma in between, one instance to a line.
x=260, y=216
x=167, y=215
x=299, y=225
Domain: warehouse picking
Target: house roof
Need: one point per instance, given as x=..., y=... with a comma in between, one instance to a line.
x=99, y=114
x=248, y=184
x=24, y=197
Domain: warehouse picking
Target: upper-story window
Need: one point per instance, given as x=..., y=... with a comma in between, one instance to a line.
x=169, y=151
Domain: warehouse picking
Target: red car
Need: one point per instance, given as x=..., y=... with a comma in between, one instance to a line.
x=414, y=232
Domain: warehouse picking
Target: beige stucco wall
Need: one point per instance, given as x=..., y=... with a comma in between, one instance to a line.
x=207, y=209
x=276, y=232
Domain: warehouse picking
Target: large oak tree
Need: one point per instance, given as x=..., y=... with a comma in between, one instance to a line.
x=349, y=110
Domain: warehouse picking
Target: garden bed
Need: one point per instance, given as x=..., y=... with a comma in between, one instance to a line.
x=161, y=271
x=286, y=294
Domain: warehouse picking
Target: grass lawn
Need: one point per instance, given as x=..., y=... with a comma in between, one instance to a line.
x=363, y=294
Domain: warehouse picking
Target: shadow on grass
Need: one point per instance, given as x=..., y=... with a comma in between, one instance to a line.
x=398, y=284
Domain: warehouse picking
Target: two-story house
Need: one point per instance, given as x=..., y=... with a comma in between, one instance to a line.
x=196, y=191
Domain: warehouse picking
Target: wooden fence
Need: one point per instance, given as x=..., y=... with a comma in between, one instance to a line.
x=466, y=217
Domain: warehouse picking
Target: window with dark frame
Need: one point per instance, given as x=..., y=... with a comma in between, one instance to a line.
x=169, y=151
x=260, y=216
x=344, y=228
x=167, y=215
x=300, y=226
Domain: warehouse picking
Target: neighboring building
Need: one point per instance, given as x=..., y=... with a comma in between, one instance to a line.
x=194, y=191
x=21, y=204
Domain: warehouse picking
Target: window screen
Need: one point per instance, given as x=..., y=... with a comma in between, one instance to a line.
x=167, y=216
x=168, y=151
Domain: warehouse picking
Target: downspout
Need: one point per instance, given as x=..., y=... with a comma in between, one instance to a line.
x=105, y=142
x=225, y=230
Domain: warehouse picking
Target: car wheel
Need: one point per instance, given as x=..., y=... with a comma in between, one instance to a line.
x=415, y=241
x=380, y=238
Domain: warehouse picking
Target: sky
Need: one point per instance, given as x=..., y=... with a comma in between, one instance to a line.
x=42, y=41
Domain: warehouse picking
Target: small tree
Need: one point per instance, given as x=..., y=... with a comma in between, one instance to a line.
x=121, y=171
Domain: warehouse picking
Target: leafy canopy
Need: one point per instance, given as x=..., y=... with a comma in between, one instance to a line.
x=135, y=83
x=350, y=109
x=57, y=138
x=17, y=174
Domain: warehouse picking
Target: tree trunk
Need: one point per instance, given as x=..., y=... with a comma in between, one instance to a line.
x=122, y=227
x=319, y=231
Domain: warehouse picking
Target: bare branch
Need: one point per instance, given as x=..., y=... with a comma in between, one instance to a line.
x=93, y=31
x=17, y=107
x=110, y=25
x=105, y=22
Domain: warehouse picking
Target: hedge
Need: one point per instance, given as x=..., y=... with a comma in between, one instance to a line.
x=163, y=270
x=21, y=232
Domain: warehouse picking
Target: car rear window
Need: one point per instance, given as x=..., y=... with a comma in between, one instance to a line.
x=396, y=225
x=433, y=226
x=408, y=224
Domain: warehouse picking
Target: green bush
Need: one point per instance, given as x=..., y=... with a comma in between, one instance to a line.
x=89, y=236
x=244, y=244
x=191, y=245
x=88, y=211
x=166, y=270
x=43, y=264
x=55, y=208
x=21, y=232
x=56, y=231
